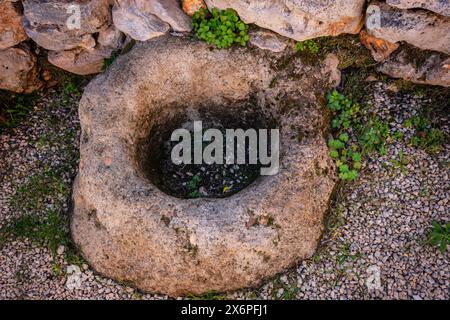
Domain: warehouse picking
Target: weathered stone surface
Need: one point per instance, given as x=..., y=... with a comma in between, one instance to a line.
x=170, y=11
x=268, y=40
x=418, y=67
x=192, y=6
x=134, y=18
x=422, y=29
x=111, y=37
x=379, y=48
x=331, y=63
x=11, y=30
x=80, y=61
x=130, y=230
x=18, y=70
x=50, y=23
x=438, y=6
x=298, y=19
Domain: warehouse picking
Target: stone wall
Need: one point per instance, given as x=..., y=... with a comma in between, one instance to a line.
x=410, y=39
x=80, y=34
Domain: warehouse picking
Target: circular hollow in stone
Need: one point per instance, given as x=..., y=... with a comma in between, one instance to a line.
x=200, y=180
x=131, y=229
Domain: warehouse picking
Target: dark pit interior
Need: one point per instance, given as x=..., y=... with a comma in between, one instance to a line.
x=199, y=180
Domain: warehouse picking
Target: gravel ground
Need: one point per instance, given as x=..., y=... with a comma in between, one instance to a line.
x=378, y=224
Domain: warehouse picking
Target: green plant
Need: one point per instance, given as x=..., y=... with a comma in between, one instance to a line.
x=70, y=90
x=50, y=230
x=346, y=153
x=193, y=185
x=344, y=255
x=309, y=45
x=401, y=162
x=36, y=192
x=440, y=235
x=14, y=108
x=108, y=61
x=41, y=199
x=426, y=137
x=223, y=28
x=374, y=135
x=345, y=110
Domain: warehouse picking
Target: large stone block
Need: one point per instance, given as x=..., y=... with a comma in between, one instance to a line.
x=299, y=19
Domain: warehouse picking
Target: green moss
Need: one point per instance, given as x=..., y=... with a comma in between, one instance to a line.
x=350, y=51
x=14, y=108
x=426, y=137
x=41, y=199
x=35, y=193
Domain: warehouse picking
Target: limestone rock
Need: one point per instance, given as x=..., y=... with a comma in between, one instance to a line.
x=18, y=70
x=111, y=37
x=439, y=6
x=192, y=6
x=268, y=40
x=11, y=30
x=52, y=24
x=418, y=67
x=80, y=61
x=379, y=48
x=422, y=29
x=170, y=11
x=134, y=18
x=298, y=19
x=331, y=70
x=130, y=230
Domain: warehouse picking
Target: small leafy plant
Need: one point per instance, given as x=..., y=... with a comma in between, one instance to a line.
x=193, y=186
x=426, y=137
x=374, y=136
x=345, y=154
x=401, y=162
x=440, y=235
x=307, y=45
x=348, y=153
x=223, y=28
x=345, y=110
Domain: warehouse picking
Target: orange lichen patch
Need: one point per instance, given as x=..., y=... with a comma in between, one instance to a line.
x=192, y=6
x=11, y=30
x=380, y=48
x=336, y=28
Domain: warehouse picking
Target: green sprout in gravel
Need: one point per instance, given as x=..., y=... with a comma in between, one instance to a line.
x=346, y=152
x=440, y=235
x=193, y=186
x=426, y=137
x=374, y=135
x=14, y=108
x=42, y=221
x=401, y=162
x=223, y=28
